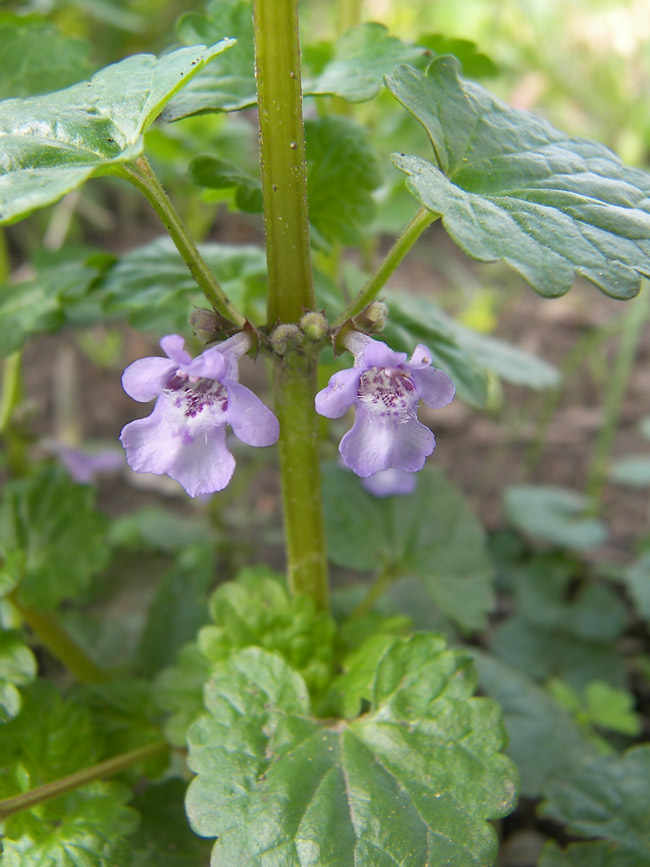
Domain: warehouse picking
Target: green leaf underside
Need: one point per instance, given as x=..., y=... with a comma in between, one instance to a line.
x=510, y=187
x=37, y=59
x=554, y=515
x=542, y=736
x=154, y=287
x=606, y=797
x=433, y=534
x=51, y=523
x=50, y=145
x=596, y=854
x=361, y=57
x=411, y=782
x=637, y=580
x=508, y=362
x=38, y=305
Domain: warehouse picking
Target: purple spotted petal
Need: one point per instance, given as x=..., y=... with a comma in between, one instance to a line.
x=252, y=422
x=390, y=483
x=340, y=393
x=145, y=378
x=434, y=386
x=173, y=346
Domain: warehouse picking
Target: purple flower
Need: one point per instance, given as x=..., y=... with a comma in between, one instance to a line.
x=185, y=435
x=386, y=390
x=390, y=483
x=83, y=466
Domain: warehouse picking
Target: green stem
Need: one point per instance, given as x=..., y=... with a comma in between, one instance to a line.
x=290, y=288
x=377, y=589
x=9, y=806
x=50, y=632
x=142, y=176
x=11, y=389
x=400, y=248
x=633, y=324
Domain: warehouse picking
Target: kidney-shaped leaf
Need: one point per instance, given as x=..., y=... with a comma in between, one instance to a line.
x=412, y=782
x=51, y=144
x=509, y=186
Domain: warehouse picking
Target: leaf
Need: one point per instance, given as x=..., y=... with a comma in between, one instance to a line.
x=563, y=629
x=637, y=581
x=633, y=470
x=50, y=523
x=255, y=610
x=542, y=736
x=50, y=145
x=508, y=362
x=354, y=72
x=433, y=534
x=218, y=174
x=229, y=84
x=154, y=287
x=86, y=828
x=17, y=668
x=159, y=529
x=596, y=854
x=475, y=64
x=36, y=58
x=410, y=782
x=554, y=515
x=606, y=797
x=342, y=172
x=39, y=305
x=508, y=186
x=178, y=608
x=258, y=610
x=361, y=57
x=164, y=838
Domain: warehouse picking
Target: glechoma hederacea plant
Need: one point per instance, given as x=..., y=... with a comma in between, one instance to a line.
x=277, y=721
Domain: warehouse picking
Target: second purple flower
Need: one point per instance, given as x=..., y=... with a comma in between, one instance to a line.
x=185, y=435
x=386, y=389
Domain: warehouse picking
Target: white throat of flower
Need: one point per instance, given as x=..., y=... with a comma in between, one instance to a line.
x=389, y=393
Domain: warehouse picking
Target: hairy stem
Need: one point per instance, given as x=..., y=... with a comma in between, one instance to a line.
x=290, y=288
x=142, y=176
x=400, y=248
x=50, y=632
x=9, y=806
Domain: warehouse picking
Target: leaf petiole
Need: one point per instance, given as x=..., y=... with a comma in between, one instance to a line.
x=142, y=176
x=46, y=792
x=423, y=218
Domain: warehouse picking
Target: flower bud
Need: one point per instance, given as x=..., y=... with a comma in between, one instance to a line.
x=315, y=325
x=286, y=337
x=374, y=318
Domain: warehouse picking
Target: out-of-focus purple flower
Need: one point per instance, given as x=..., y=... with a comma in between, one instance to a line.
x=83, y=466
x=390, y=483
x=385, y=388
x=185, y=435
